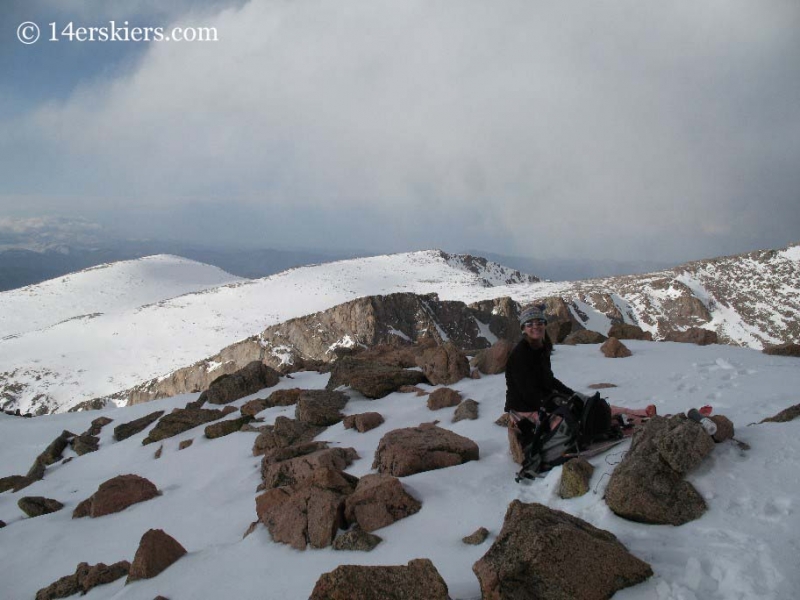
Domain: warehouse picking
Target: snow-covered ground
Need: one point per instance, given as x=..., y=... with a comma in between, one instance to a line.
x=745, y=547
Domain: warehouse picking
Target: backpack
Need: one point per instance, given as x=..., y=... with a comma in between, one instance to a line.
x=557, y=436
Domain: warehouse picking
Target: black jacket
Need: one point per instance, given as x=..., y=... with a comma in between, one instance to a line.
x=530, y=382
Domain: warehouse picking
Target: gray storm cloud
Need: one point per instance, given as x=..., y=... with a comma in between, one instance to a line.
x=552, y=123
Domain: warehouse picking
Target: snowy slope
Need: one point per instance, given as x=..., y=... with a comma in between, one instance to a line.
x=113, y=287
x=744, y=547
x=97, y=355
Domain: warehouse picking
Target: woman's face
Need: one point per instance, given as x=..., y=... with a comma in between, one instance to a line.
x=534, y=330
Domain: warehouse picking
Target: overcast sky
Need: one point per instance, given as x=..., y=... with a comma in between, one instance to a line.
x=614, y=130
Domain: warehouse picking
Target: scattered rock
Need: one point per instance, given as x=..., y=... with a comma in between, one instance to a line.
x=98, y=424
x=584, y=336
x=443, y=398
x=36, y=506
x=409, y=389
x=503, y=420
x=180, y=420
x=285, y=432
x=116, y=494
x=468, y=410
x=613, y=348
x=372, y=379
x=363, y=422
x=223, y=428
x=85, y=578
x=126, y=430
x=85, y=443
x=356, y=540
x=54, y=452
x=725, y=429
x=14, y=482
x=419, y=579
x=290, y=466
x=253, y=407
x=320, y=408
x=310, y=512
x=551, y=555
x=248, y=380
x=416, y=449
x=787, y=349
x=625, y=331
x=443, y=365
x=601, y=386
x=476, y=538
x=693, y=335
x=2, y=524
x=185, y=444
x=157, y=453
x=645, y=488
x=378, y=501
x=157, y=551
x=575, y=477
x=494, y=360
x=786, y=415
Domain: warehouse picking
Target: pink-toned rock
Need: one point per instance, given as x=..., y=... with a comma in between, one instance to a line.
x=725, y=429
x=289, y=466
x=693, y=335
x=84, y=579
x=613, y=348
x=626, y=331
x=443, y=398
x=157, y=551
x=443, y=365
x=493, y=360
x=378, y=501
x=419, y=580
x=363, y=422
x=416, y=449
x=115, y=495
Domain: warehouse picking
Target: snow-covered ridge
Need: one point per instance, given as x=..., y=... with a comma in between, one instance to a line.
x=112, y=287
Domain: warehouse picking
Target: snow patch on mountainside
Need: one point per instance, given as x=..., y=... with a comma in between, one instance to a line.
x=113, y=287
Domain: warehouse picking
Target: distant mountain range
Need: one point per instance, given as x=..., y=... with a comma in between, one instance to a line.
x=99, y=332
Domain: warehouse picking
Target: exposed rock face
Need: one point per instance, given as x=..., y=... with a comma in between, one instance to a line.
x=378, y=501
x=98, y=424
x=419, y=579
x=786, y=415
x=126, y=430
x=180, y=420
x=84, y=579
x=626, y=331
x=292, y=465
x=416, y=449
x=467, y=410
x=223, y=428
x=788, y=349
x=494, y=360
x=14, y=482
x=648, y=485
x=551, y=555
x=693, y=335
x=363, y=422
x=443, y=398
x=116, y=494
x=309, y=512
x=372, y=379
x=248, y=380
x=613, y=348
x=157, y=551
x=36, y=506
x=85, y=443
x=502, y=316
x=575, y=477
x=286, y=397
x=320, y=408
x=285, y=432
x=356, y=540
x=443, y=365
x=584, y=336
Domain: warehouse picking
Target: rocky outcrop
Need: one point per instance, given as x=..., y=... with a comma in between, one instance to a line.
x=648, y=485
x=626, y=331
x=575, y=477
x=501, y=315
x=115, y=495
x=693, y=335
x=613, y=348
x=14, y=483
x=419, y=579
x=248, y=380
x=787, y=349
x=157, y=550
x=308, y=512
x=372, y=379
x=443, y=398
x=97, y=425
x=551, y=555
x=584, y=336
x=786, y=415
x=85, y=578
x=286, y=397
x=416, y=449
x=85, y=443
x=223, y=428
x=494, y=360
x=180, y=420
x=285, y=432
x=126, y=430
x=294, y=464
x=363, y=422
x=378, y=501
x=443, y=365
x=320, y=408
x=36, y=506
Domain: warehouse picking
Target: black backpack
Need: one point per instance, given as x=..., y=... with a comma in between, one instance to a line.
x=596, y=424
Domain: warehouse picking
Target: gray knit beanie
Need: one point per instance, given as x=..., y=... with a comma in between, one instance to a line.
x=532, y=313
